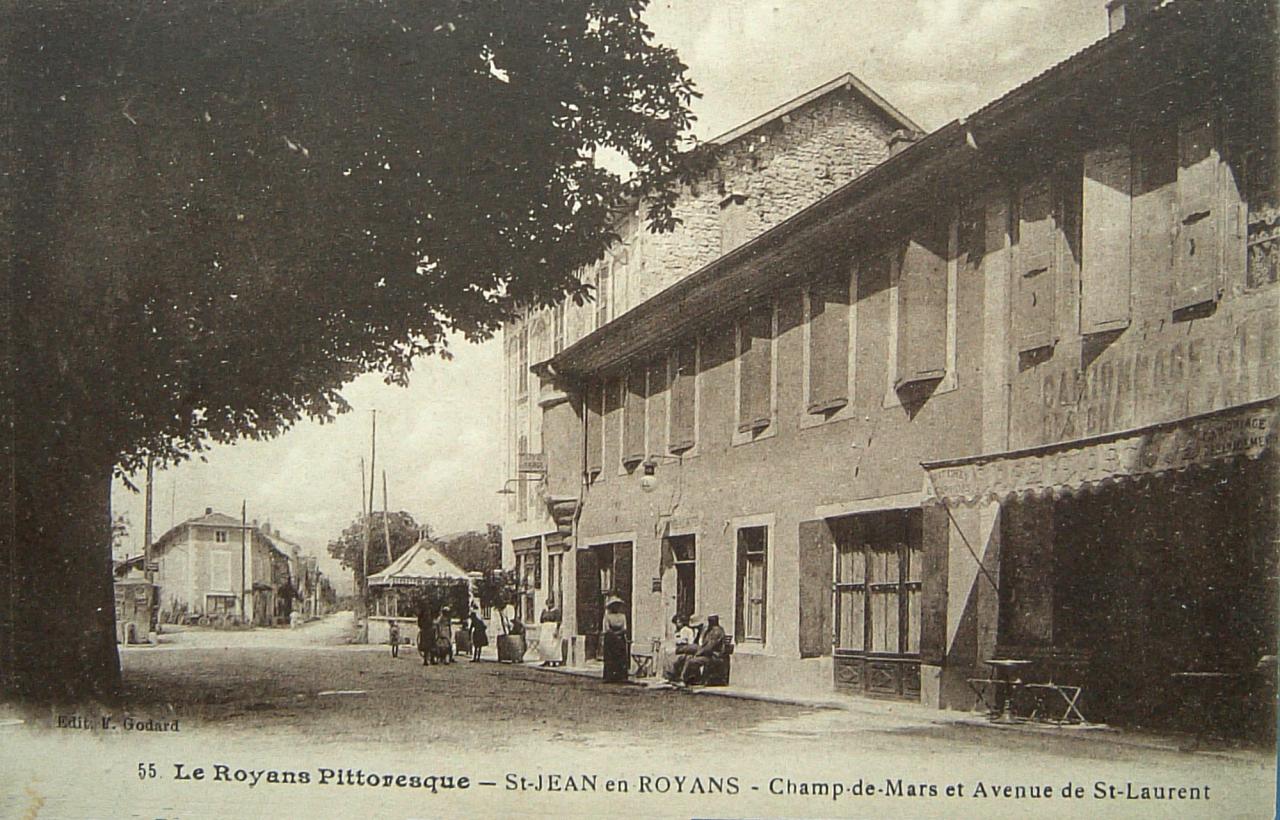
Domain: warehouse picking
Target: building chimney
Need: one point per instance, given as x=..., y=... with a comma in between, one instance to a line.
x=1121, y=13
x=899, y=140
x=208, y=510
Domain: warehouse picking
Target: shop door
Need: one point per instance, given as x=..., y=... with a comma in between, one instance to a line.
x=876, y=604
x=603, y=570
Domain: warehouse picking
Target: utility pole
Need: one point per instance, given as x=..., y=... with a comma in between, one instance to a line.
x=244, y=535
x=146, y=526
x=386, y=528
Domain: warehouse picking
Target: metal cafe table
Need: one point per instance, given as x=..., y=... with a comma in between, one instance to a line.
x=1003, y=681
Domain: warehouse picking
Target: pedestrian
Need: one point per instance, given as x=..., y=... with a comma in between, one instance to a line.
x=444, y=636
x=614, y=636
x=479, y=631
x=549, y=634
x=393, y=637
x=426, y=632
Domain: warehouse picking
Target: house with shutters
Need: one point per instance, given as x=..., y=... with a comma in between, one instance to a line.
x=1009, y=393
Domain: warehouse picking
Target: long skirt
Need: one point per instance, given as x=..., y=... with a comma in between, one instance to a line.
x=616, y=661
x=549, y=642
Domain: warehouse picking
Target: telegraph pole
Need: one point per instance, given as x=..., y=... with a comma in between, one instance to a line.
x=146, y=526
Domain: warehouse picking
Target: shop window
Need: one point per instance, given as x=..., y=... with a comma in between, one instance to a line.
x=684, y=557
x=555, y=579
x=922, y=307
x=755, y=372
x=528, y=566
x=1196, y=256
x=1033, y=307
x=878, y=583
x=633, y=418
x=827, y=319
x=595, y=428
x=683, y=412
x=733, y=222
x=1105, y=268
x=752, y=587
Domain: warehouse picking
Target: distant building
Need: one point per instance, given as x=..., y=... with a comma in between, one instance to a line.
x=213, y=566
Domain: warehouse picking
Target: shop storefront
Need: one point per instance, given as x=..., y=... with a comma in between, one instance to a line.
x=1141, y=566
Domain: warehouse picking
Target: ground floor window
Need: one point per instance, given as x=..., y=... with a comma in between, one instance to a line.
x=753, y=547
x=684, y=556
x=878, y=583
x=555, y=579
x=529, y=573
x=220, y=604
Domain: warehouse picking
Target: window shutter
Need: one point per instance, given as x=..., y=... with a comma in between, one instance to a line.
x=589, y=603
x=1196, y=257
x=655, y=411
x=764, y=587
x=755, y=370
x=740, y=619
x=683, y=396
x=595, y=428
x=633, y=417
x=817, y=555
x=1104, y=273
x=1034, y=287
x=922, y=307
x=828, y=346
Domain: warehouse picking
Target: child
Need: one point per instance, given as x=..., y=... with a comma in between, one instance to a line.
x=395, y=639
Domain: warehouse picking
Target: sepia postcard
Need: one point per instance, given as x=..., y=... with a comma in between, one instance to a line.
x=651, y=408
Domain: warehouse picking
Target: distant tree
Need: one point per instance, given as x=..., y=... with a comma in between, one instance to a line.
x=349, y=548
x=473, y=551
x=214, y=215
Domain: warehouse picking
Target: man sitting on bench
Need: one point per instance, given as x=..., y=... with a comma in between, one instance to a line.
x=710, y=652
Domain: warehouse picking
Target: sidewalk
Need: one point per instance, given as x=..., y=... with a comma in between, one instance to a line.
x=900, y=715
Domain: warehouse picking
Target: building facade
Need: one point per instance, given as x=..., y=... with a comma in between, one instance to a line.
x=1011, y=393
x=765, y=171
x=213, y=566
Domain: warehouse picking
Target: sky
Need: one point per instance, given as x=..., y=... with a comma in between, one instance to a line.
x=439, y=439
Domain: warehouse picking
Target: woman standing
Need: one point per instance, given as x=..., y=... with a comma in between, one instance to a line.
x=549, y=634
x=479, y=632
x=613, y=632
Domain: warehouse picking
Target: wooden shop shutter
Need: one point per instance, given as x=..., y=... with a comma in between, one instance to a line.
x=922, y=307
x=817, y=556
x=1105, y=268
x=633, y=417
x=1195, y=264
x=1033, y=314
x=589, y=603
x=828, y=345
x=683, y=395
x=755, y=333
x=595, y=428
x=935, y=547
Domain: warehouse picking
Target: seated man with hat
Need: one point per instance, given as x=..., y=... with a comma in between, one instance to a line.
x=710, y=653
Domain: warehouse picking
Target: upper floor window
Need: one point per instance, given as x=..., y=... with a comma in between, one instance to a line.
x=922, y=311
x=220, y=536
x=683, y=404
x=633, y=416
x=522, y=359
x=603, y=293
x=522, y=483
x=595, y=428
x=733, y=221
x=756, y=394
x=557, y=327
x=828, y=373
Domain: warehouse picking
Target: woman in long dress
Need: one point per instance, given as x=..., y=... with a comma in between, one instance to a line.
x=479, y=632
x=549, y=634
x=613, y=633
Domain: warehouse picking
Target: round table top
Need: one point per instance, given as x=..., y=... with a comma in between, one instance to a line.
x=1007, y=662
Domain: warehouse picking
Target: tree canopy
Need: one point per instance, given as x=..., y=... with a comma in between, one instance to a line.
x=225, y=211
x=404, y=532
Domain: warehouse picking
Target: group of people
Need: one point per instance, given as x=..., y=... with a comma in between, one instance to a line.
x=698, y=648
x=436, y=638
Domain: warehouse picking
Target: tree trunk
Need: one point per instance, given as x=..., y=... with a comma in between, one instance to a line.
x=57, y=617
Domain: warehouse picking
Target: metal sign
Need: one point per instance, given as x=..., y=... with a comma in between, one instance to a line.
x=532, y=463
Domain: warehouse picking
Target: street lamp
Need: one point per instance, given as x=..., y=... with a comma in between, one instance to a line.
x=649, y=478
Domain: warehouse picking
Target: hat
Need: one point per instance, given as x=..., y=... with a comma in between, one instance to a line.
x=713, y=617
x=611, y=600
x=695, y=620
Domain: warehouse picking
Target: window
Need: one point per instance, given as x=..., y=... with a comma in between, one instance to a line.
x=755, y=372
x=522, y=360
x=878, y=583
x=555, y=579
x=922, y=307
x=528, y=571
x=219, y=604
x=220, y=536
x=1195, y=259
x=557, y=327
x=733, y=222
x=1105, y=268
x=522, y=483
x=684, y=557
x=603, y=288
x=595, y=428
x=633, y=414
x=827, y=319
x=753, y=547
x=1033, y=292
x=683, y=412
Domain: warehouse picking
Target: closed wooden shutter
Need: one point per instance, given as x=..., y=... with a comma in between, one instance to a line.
x=656, y=410
x=828, y=345
x=755, y=372
x=936, y=530
x=683, y=396
x=1104, y=273
x=633, y=417
x=922, y=307
x=817, y=549
x=589, y=600
x=1196, y=258
x=1033, y=312
x=595, y=428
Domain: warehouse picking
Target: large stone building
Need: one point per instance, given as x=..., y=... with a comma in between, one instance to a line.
x=1011, y=392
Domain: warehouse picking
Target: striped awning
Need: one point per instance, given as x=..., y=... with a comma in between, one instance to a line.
x=1241, y=432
